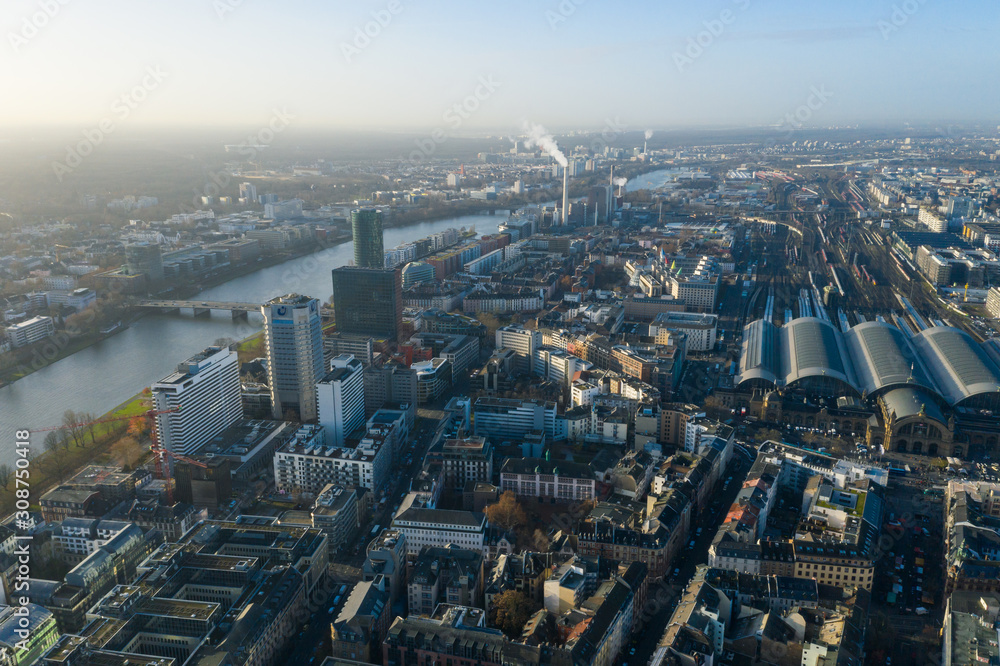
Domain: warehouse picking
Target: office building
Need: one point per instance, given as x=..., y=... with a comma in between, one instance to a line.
x=417, y=272
x=305, y=464
x=700, y=329
x=524, y=343
x=283, y=210
x=433, y=379
x=993, y=302
x=440, y=527
x=557, y=482
x=393, y=383
x=337, y=511
x=26, y=632
x=341, y=398
x=448, y=575
x=144, y=259
x=30, y=331
x=205, y=389
x=368, y=301
x=248, y=193
x=361, y=347
x=466, y=459
x=500, y=419
x=362, y=623
x=294, y=335
x=366, y=227
x=462, y=351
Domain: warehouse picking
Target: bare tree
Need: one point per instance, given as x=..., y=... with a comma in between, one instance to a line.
x=72, y=428
x=56, y=454
x=6, y=475
x=91, y=426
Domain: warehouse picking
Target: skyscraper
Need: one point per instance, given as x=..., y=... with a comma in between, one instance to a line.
x=368, y=301
x=341, y=395
x=294, y=335
x=366, y=226
x=206, y=390
x=144, y=258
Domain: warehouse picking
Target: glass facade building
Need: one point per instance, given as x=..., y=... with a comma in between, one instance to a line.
x=366, y=227
x=368, y=301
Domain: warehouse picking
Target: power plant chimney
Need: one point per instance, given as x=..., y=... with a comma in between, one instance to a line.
x=611, y=198
x=565, y=210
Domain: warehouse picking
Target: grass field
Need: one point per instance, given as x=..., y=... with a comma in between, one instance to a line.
x=46, y=472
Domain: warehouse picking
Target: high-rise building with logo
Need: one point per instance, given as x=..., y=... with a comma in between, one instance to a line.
x=366, y=226
x=294, y=334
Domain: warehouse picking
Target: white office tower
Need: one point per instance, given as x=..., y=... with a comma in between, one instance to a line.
x=206, y=391
x=341, y=395
x=294, y=334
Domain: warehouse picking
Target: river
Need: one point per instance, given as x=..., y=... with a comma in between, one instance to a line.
x=104, y=375
x=652, y=180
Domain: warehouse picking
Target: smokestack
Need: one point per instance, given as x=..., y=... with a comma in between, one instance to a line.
x=611, y=198
x=645, y=144
x=565, y=213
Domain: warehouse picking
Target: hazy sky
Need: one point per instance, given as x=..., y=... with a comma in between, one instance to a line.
x=574, y=63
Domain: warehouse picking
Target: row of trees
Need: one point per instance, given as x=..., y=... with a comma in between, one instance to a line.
x=80, y=429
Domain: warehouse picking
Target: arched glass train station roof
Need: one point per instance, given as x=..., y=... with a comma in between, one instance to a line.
x=872, y=358
x=812, y=348
x=960, y=367
x=884, y=359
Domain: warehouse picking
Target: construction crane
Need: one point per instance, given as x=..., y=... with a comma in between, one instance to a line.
x=159, y=453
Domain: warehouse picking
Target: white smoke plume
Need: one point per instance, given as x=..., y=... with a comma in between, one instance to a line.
x=649, y=134
x=539, y=136
x=621, y=182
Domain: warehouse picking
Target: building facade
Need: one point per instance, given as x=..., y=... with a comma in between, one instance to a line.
x=205, y=390
x=294, y=335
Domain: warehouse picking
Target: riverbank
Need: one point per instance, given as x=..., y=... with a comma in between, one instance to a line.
x=40, y=359
x=50, y=468
x=105, y=374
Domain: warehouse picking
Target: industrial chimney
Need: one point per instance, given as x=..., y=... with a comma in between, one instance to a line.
x=565, y=207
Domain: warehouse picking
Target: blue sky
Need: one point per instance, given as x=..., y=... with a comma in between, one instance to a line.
x=568, y=64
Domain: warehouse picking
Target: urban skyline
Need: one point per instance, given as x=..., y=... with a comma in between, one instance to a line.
x=649, y=334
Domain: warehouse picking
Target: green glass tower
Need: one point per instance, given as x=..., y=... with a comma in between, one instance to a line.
x=366, y=227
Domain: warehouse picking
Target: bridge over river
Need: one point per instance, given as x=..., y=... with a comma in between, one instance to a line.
x=202, y=308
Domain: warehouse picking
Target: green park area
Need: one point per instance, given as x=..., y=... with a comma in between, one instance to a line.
x=118, y=438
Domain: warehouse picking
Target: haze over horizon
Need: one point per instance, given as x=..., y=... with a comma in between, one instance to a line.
x=569, y=64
